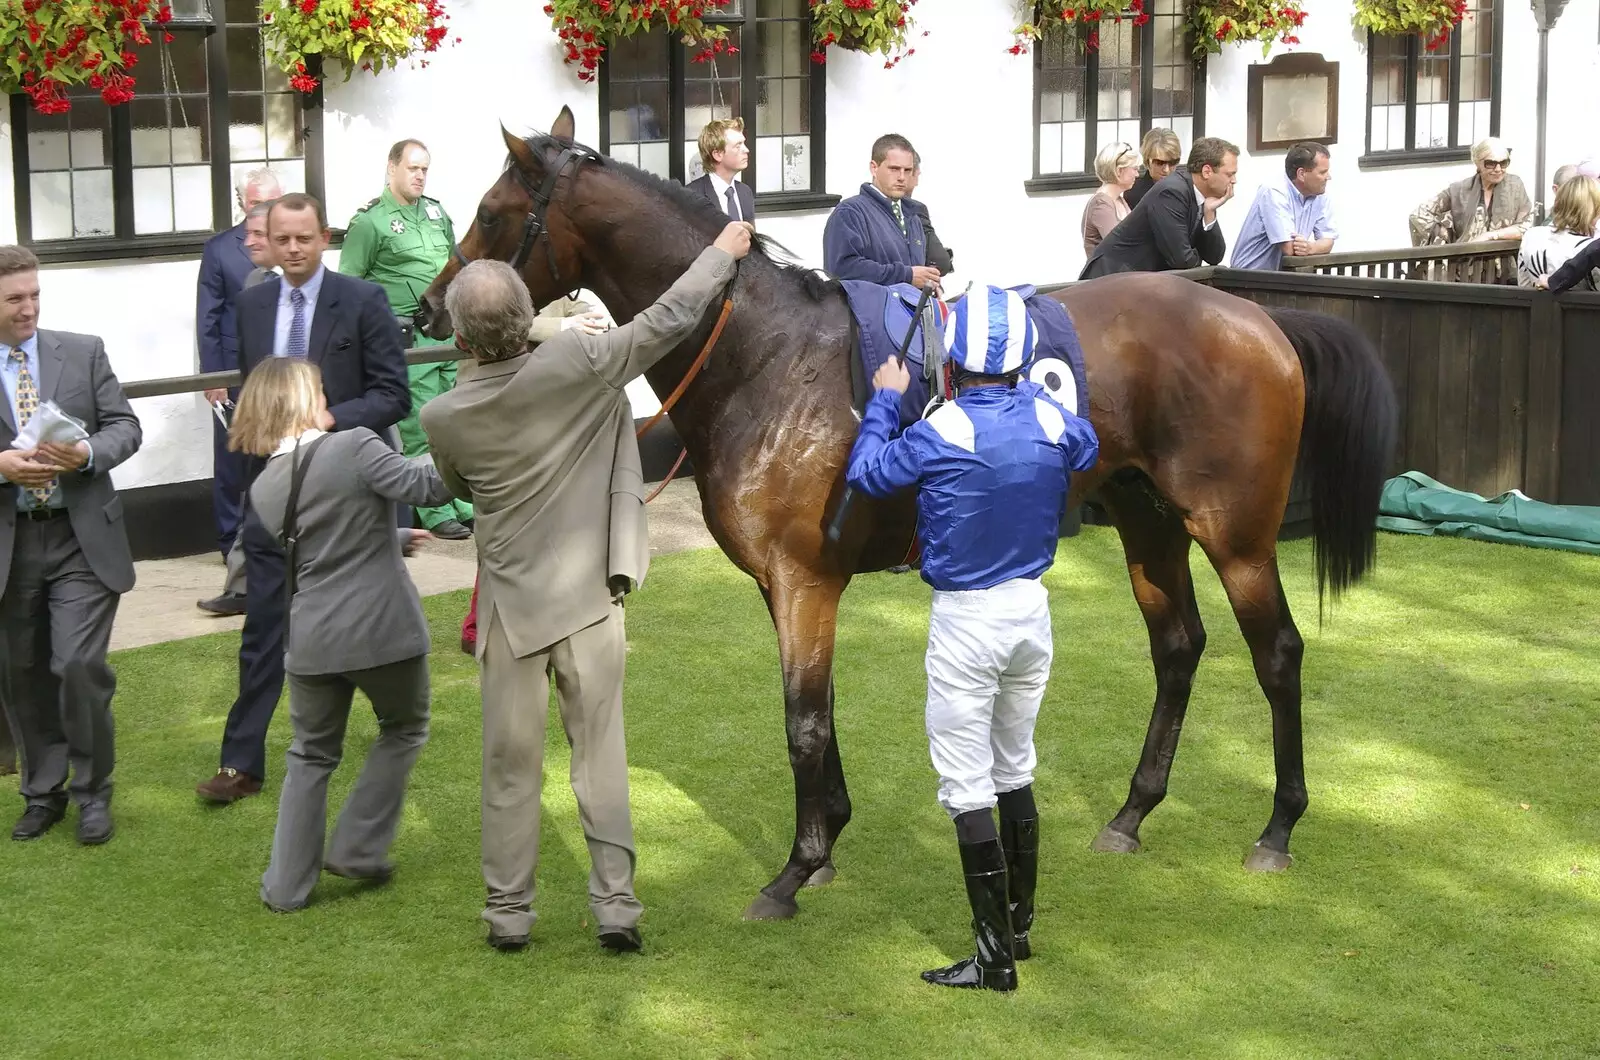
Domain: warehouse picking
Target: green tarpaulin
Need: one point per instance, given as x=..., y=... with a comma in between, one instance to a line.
x=1413, y=503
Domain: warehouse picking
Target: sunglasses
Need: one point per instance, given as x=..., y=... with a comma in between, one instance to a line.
x=1168, y=162
x=1496, y=163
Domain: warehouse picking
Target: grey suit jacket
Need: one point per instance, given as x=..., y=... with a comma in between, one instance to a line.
x=258, y=275
x=542, y=444
x=355, y=607
x=75, y=373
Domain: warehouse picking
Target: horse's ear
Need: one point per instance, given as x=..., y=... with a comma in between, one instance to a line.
x=521, y=153
x=565, y=127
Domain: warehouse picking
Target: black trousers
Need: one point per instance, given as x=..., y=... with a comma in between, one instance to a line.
x=244, y=738
x=229, y=474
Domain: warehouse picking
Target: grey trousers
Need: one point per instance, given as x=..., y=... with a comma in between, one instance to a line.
x=588, y=668
x=319, y=708
x=57, y=616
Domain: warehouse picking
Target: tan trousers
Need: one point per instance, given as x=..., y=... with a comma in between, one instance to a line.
x=588, y=668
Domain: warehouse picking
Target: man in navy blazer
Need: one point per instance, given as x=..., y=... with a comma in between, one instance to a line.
x=1175, y=224
x=343, y=325
x=224, y=265
x=724, y=155
x=877, y=235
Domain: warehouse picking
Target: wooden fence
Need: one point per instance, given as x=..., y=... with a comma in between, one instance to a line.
x=1485, y=262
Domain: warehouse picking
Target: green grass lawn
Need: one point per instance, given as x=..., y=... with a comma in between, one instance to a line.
x=1445, y=900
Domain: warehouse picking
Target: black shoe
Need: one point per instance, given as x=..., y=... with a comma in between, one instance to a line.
x=621, y=939
x=450, y=530
x=508, y=943
x=36, y=821
x=1020, y=840
x=228, y=604
x=94, y=823
x=994, y=967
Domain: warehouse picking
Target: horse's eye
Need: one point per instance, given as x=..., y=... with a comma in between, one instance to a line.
x=487, y=218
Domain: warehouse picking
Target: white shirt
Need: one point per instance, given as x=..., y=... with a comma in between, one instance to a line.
x=1200, y=197
x=721, y=187
x=1544, y=250
x=311, y=288
x=288, y=444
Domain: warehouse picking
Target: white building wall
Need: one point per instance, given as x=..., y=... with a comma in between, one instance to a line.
x=962, y=99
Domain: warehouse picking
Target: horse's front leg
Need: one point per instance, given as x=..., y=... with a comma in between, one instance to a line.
x=805, y=610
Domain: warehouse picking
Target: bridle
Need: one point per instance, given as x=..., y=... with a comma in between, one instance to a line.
x=533, y=226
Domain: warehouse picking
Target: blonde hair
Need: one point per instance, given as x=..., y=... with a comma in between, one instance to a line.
x=279, y=401
x=1111, y=158
x=714, y=138
x=1490, y=145
x=1577, y=206
x=1160, y=140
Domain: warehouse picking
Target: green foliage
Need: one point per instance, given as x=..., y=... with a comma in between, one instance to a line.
x=371, y=35
x=1432, y=20
x=47, y=46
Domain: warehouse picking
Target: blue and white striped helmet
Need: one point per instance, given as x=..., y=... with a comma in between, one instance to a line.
x=989, y=332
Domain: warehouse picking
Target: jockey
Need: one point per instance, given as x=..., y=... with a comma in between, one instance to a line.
x=992, y=470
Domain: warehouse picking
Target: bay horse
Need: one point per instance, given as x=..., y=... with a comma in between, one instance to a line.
x=1202, y=402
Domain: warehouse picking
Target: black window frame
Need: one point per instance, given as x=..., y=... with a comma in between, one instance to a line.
x=165, y=244
x=1412, y=155
x=1051, y=182
x=678, y=58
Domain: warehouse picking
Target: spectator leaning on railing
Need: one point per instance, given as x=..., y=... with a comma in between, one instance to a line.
x=1490, y=204
x=1290, y=216
x=1117, y=166
x=1572, y=225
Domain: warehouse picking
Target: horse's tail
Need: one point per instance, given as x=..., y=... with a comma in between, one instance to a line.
x=1346, y=442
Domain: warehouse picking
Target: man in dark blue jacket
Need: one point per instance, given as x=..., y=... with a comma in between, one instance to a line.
x=877, y=235
x=224, y=265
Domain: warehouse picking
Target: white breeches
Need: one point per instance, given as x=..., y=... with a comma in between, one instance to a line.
x=988, y=660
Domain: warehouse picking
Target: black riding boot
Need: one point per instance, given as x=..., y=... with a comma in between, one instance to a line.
x=1020, y=839
x=993, y=968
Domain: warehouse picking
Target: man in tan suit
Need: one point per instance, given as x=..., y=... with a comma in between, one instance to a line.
x=542, y=444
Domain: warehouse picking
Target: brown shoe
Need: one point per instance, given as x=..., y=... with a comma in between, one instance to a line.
x=229, y=785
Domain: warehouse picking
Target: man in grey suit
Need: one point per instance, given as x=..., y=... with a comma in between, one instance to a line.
x=542, y=444
x=64, y=559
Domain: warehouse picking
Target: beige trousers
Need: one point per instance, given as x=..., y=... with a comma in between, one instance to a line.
x=588, y=668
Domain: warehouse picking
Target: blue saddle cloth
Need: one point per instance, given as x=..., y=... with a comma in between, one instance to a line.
x=883, y=315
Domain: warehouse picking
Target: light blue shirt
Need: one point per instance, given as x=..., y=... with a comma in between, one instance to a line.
x=9, y=374
x=311, y=288
x=1277, y=215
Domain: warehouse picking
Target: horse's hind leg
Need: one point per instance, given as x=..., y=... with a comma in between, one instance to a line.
x=805, y=609
x=1156, y=545
x=1256, y=593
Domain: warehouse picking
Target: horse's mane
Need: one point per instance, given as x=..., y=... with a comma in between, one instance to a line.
x=695, y=207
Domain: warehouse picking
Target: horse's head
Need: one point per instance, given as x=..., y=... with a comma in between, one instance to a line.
x=522, y=219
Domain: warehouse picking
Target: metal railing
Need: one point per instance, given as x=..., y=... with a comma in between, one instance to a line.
x=194, y=384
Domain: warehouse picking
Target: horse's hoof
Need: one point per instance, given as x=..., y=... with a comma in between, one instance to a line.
x=1265, y=859
x=822, y=877
x=1111, y=841
x=766, y=907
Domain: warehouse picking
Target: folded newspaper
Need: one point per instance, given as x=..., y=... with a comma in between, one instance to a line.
x=49, y=424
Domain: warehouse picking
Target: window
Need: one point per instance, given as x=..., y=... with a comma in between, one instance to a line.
x=1084, y=98
x=157, y=174
x=655, y=99
x=1433, y=106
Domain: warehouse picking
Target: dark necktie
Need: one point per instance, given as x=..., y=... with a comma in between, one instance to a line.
x=296, y=346
x=733, y=204
x=899, y=215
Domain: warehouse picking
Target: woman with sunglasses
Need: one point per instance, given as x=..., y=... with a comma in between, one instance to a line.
x=1490, y=204
x=1162, y=153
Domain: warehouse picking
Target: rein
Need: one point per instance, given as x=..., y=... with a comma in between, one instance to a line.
x=688, y=377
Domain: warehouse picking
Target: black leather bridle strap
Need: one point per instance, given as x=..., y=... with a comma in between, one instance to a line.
x=533, y=226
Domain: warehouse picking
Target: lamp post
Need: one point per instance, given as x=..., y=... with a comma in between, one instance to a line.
x=1545, y=13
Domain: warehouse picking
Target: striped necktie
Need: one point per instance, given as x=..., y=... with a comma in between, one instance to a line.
x=899, y=215
x=296, y=346
x=27, y=405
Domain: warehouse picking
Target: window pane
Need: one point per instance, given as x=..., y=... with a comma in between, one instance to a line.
x=190, y=9
x=91, y=203
x=191, y=129
x=244, y=12
x=656, y=158
x=52, y=204
x=769, y=164
x=1119, y=69
x=780, y=8
x=247, y=131
x=244, y=61
x=1060, y=82
x=711, y=89
x=191, y=198
x=152, y=200
x=48, y=139
x=91, y=134
x=183, y=62
x=152, y=142
x=797, y=163
x=285, y=127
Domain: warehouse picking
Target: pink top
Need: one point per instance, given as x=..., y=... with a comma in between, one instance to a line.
x=1101, y=215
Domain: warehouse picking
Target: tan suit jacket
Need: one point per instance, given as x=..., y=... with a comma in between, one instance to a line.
x=542, y=445
x=547, y=325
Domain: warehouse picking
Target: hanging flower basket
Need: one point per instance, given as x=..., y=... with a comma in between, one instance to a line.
x=1432, y=20
x=371, y=35
x=585, y=26
x=1090, y=14
x=872, y=26
x=52, y=45
x=1214, y=23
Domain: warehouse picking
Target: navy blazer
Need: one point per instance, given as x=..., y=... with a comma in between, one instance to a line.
x=862, y=241
x=1165, y=231
x=355, y=340
x=223, y=266
x=746, y=196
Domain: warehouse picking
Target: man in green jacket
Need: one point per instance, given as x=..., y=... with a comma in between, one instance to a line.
x=400, y=241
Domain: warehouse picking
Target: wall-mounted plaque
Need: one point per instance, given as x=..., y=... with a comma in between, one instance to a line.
x=1293, y=98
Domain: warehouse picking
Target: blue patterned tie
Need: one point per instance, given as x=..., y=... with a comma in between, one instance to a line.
x=296, y=346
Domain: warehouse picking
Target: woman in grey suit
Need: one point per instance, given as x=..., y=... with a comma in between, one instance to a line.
x=355, y=621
